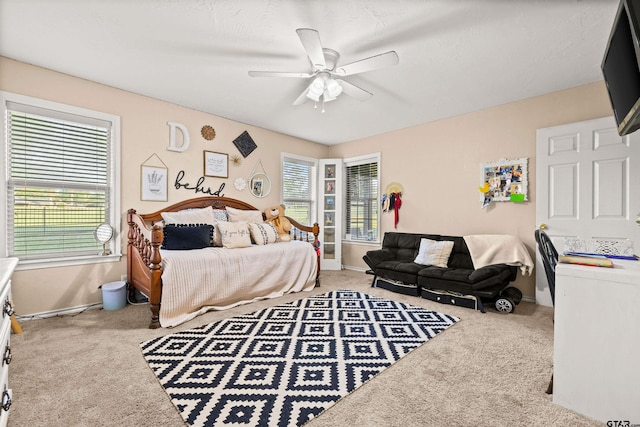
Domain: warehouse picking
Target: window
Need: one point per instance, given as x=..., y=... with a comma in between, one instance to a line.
x=298, y=187
x=361, y=203
x=60, y=182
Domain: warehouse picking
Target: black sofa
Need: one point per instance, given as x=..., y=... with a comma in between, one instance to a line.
x=459, y=283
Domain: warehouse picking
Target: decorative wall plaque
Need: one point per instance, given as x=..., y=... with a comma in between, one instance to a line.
x=244, y=143
x=208, y=132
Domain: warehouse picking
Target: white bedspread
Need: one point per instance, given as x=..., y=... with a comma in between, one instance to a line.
x=488, y=249
x=196, y=281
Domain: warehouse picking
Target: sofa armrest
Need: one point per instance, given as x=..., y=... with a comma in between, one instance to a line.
x=489, y=271
x=373, y=258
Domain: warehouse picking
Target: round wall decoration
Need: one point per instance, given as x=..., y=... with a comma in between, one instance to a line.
x=208, y=132
x=240, y=184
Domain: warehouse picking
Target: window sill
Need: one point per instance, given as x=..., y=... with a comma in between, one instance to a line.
x=65, y=262
x=361, y=242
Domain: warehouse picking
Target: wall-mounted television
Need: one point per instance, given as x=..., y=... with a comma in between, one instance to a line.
x=621, y=67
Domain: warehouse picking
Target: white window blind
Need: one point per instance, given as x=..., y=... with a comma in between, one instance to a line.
x=59, y=182
x=297, y=188
x=361, y=216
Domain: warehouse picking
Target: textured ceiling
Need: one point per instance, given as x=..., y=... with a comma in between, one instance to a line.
x=456, y=56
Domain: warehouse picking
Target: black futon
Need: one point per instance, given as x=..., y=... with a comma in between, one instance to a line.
x=394, y=269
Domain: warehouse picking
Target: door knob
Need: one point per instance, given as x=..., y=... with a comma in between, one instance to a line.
x=543, y=226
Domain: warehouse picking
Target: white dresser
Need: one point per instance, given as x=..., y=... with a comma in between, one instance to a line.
x=7, y=265
x=596, y=363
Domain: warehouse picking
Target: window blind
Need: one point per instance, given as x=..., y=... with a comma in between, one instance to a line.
x=58, y=182
x=361, y=201
x=297, y=184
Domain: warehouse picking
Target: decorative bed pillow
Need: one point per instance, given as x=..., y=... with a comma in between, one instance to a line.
x=432, y=252
x=179, y=237
x=250, y=216
x=264, y=233
x=234, y=234
x=220, y=215
x=189, y=216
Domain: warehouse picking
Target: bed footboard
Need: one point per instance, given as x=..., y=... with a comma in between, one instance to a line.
x=307, y=234
x=144, y=262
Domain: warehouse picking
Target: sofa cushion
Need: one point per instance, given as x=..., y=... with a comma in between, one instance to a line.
x=460, y=257
x=455, y=274
x=405, y=272
x=432, y=252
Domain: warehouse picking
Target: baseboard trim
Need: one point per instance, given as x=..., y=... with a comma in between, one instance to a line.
x=350, y=267
x=61, y=312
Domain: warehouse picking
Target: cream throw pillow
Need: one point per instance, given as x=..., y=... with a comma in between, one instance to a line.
x=264, y=234
x=432, y=252
x=236, y=215
x=189, y=216
x=234, y=234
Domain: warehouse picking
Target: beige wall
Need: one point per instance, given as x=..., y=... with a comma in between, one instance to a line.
x=438, y=164
x=144, y=131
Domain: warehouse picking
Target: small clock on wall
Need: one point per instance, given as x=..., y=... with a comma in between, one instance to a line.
x=208, y=132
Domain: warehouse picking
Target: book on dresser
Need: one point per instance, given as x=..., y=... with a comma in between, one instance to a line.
x=592, y=260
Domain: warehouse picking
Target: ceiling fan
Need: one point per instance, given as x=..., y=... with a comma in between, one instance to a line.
x=326, y=83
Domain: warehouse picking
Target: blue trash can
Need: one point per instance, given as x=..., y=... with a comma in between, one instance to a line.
x=114, y=295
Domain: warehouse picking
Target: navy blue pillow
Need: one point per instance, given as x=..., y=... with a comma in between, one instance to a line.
x=180, y=237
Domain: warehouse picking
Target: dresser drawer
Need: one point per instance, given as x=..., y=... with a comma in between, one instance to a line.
x=5, y=305
x=5, y=354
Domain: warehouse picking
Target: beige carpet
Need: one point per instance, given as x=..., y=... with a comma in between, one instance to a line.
x=487, y=370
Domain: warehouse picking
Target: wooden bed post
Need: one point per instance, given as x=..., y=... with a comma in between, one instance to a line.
x=316, y=246
x=156, y=276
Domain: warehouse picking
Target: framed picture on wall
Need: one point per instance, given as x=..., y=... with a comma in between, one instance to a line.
x=505, y=178
x=216, y=164
x=153, y=183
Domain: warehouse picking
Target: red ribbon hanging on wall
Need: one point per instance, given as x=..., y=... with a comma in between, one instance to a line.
x=396, y=207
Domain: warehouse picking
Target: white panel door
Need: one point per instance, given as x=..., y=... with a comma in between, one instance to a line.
x=330, y=214
x=587, y=186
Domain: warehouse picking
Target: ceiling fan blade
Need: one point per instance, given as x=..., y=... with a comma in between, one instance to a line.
x=383, y=60
x=354, y=91
x=279, y=74
x=311, y=42
x=303, y=96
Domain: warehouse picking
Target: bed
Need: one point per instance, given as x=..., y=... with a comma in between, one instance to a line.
x=180, y=288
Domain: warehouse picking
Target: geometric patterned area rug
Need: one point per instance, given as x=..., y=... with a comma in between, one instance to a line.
x=285, y=365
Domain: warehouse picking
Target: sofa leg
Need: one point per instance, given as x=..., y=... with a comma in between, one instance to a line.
x=373, y=283
x=480, y=305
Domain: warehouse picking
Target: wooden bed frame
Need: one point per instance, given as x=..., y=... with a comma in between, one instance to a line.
x=144, y=261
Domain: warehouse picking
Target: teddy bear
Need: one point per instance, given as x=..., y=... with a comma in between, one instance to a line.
x=275, y=215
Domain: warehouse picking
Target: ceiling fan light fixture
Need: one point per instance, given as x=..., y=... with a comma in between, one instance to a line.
x=314, y=94
x=316, y=89
x=333, y=89
x=326, y=97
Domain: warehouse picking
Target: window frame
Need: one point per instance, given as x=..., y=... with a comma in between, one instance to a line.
x=114, y=183
x=313, y=184
x=355, y=161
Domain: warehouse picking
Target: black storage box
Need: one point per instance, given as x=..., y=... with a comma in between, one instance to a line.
x=397, y=286
x=453, y=298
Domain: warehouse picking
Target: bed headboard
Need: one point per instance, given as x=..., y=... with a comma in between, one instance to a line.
x=199, y=202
